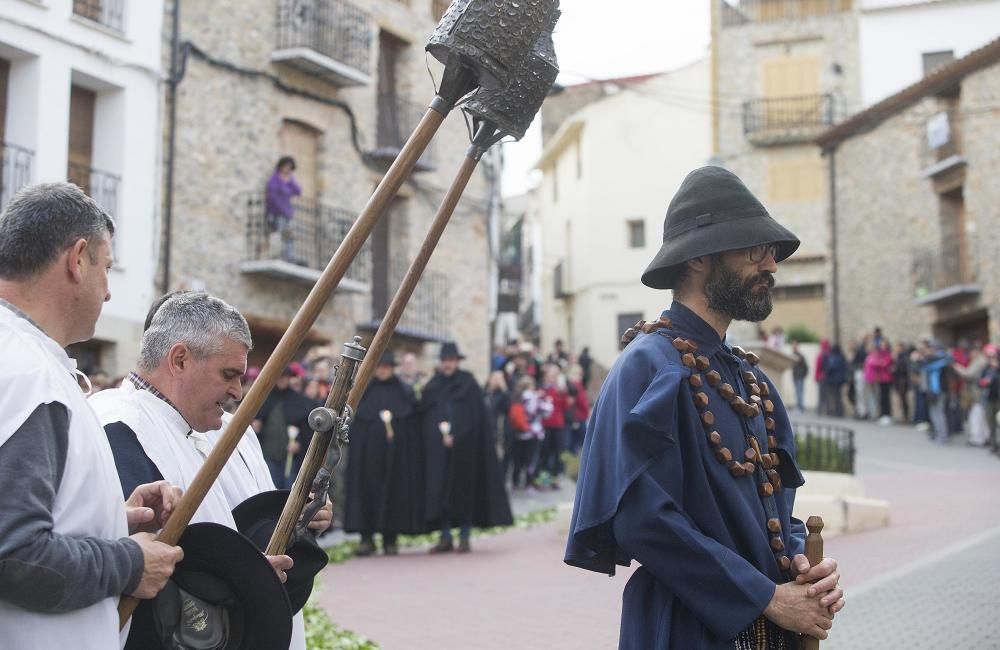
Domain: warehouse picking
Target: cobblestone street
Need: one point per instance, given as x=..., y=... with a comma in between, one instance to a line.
x=929, y=580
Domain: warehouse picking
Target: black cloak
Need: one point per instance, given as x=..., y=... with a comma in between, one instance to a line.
x=464, y=483
x=385, y=479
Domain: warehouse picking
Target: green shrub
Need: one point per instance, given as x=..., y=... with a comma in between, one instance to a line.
x=801, y=333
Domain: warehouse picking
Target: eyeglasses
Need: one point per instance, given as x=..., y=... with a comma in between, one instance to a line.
x=761, y=252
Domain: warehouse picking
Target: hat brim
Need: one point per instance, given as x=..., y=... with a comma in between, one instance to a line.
x=664, y=271
x=225, y=553
x=257, y=518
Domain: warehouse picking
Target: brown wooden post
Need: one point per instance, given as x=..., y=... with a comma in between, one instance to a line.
x=814, y=553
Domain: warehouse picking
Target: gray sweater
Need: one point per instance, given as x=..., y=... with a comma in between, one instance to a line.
x=41, y=570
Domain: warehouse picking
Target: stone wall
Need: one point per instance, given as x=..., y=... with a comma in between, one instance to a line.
x=886, y=210
x=228, y=142
x=741, y=52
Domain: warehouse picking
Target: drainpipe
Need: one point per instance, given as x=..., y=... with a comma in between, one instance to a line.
x=834, y=292
x=172, y=82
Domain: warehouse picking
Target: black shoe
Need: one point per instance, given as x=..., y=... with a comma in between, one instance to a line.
x=444, y=546
x=463, y=545
x=364, y=549
x=390, y=549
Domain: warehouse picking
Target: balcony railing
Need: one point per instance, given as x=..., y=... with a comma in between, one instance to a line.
x=15, y=170
x=110, y=13
x=787, y=119
x=328, y=38
x=742, y=12
x=427, y=313
x=947, y=272
x=397, y=119
x=300, y=248
x=99, y=185
x=824, y=447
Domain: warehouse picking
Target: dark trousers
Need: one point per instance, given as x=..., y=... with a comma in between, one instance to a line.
x=552, y=448
x=903, y=390
x=885, y=399
x=524, y=458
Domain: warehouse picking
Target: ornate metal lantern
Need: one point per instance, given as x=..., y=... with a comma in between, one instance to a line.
x=512, y=110
x=492, y=37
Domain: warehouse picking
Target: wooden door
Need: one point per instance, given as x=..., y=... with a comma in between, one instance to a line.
x=301, y=142
x=81, y=136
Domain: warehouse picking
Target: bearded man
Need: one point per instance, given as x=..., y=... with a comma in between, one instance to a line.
x=688, y=465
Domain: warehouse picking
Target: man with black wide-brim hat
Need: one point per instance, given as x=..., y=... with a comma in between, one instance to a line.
x=688, y=465
x=464, y=487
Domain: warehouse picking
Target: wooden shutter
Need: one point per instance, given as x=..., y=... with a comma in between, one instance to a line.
x=81, y=135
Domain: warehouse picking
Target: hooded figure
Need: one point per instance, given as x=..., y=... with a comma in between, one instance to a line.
x=385, y=463
x=688, y=463
x=464, y=484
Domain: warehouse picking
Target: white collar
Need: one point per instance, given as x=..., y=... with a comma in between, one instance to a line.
x=16, y=318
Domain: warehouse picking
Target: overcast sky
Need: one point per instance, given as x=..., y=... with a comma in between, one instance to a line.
x=599, y=39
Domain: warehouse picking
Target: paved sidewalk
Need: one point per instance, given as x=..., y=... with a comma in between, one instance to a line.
x=929, y=580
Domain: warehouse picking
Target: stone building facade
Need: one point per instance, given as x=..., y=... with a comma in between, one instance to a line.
x=916, y=198
x=783, y=70
x=338, y=85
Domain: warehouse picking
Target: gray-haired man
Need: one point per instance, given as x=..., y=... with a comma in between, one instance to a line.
x=65, y=554
x=166, y=417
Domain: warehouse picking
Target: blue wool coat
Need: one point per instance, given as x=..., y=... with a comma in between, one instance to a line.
x=651, y=489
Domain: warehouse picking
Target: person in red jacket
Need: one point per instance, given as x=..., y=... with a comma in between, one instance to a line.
x=553, y=385
x=580, y=410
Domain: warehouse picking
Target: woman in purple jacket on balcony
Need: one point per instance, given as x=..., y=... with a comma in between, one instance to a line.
x=281, y=187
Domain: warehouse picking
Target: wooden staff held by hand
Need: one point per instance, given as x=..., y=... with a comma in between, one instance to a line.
x=814, y=553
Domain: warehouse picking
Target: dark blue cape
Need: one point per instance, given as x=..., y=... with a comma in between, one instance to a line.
x=650, y=489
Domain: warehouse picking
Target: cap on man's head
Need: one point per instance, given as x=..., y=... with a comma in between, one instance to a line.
x=712, y=212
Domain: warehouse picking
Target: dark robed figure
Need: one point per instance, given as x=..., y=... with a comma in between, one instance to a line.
x=689, y=461
x=385, y=463
x=464, y=484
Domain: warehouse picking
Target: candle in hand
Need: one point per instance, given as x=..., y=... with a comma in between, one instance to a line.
x=386, y=416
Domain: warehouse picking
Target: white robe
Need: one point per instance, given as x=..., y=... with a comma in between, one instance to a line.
x=36, y=370
x=162, y=432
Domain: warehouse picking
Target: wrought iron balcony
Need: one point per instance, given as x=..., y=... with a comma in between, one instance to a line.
x=109, y=13
x=780, y=120
x=945, y=273
x=742, y=12
x=299, y=248
x=327, y=38
x=397, y=119
x=426, y=316
x=15, y=170
x=99, y=185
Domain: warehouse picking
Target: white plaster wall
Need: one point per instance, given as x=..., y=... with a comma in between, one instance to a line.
x=637, y=147
x=49, y=49
x=895, y=33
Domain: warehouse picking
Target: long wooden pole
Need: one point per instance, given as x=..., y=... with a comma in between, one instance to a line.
x=814, y=553
x=282, y=535
x=294, y=335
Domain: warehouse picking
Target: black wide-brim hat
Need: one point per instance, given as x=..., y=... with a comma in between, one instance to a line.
x=449, y=350
x=224, y=595
x=713, y=212
x=257, y=518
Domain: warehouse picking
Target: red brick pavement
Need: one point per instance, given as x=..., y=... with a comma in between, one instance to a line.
x=512, y=591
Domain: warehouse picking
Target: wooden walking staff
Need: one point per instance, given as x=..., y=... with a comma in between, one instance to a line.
x=459, y=39
x=462, y=40
x=814, y=553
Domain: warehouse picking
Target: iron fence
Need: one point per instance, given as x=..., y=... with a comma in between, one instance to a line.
x=110, y=13
x=938, y=269
x=333, y=28
x=797, y=112
x=426, y=315
x=742, y=12
x=824, y=447
x=99, y=185
x=15, y=170
x=308, y=239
